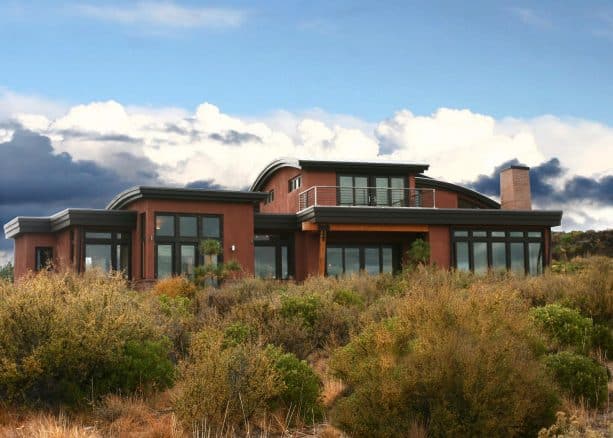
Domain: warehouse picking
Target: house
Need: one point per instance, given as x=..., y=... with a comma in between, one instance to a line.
x=299, y=218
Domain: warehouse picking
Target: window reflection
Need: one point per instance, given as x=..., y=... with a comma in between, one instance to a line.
x=265, y=265
x=98, y=256
x=480, y=257
x=461, y=255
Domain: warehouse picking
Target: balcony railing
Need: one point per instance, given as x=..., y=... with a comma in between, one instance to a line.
x=366, y=197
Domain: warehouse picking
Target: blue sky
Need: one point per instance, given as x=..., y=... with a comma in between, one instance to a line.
x=99, y=96
x=368, y=59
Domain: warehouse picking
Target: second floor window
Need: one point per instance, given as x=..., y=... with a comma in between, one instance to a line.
x=295, y=183
x=270, y=197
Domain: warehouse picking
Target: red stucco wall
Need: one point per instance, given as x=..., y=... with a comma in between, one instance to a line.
x=440, y=246
x=25, y=251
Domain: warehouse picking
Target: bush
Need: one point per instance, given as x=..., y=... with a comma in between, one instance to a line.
x=418, y=253
x=582, y=378
x=67, y=337
x=304, y=307
x=602, y=339
x=221, y=385
x=174, y=287
x=302, y=386
x=566, y=327
x=464, y=364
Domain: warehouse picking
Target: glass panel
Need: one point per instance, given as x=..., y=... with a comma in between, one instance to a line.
x=535, y=258
x=535, y=234
x=284, y=264
x=516, y=234
x=397, y=192
x=388, y=265
x=94, y=235
x=517, y=257
x=98, y=256
x=211, y=227
x=480, y=257
x=361, y=190
x=346, y=190
x=498, y=234
x=371, y=260
x=164, y=225
x=164, y=261
x=123, y=258
x=499, y=257
x=262, y=237
x=381, y=191
x=461, y=254
x=460, y=233
x=334, y=261
x=44, y=258
x=479, y=233
x=265, y=262
x=188, y=259
x=352, y=260
x=188, y=226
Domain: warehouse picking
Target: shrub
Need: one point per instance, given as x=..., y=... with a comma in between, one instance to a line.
x=566, y=327
x=174, y=287
x=305, y=308
x=346, y=297
x=221, y=385
x=65, y=337
x=418, y=253
x=464, y=364
x=176, y=320
x=602, y=339
x=302, y=387
x=582, y=378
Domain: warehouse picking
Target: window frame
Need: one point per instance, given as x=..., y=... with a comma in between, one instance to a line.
x=277, y=241
x=362, y=247
x=371, y=179
x=37, y=250
x=177, y=240
x=294, y=183
x=114, y=241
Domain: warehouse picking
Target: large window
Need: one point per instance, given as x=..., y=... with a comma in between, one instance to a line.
x=480, y=250
x=372, y=259
x=272, y=256
x=107, y=251
x=372, y=190
x=177, y=241
x=294, y=183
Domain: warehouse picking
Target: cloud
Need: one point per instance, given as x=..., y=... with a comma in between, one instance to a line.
x=234, y=137
x=166, y=15
x=209, y=184
x=530, y=17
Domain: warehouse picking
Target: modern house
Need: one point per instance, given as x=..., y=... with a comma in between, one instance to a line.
x=299, y=218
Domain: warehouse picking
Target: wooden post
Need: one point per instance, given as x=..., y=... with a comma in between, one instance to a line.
x=322, y=252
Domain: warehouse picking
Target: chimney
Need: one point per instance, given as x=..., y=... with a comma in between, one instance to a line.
x=515, y=188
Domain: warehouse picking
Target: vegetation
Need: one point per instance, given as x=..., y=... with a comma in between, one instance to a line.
x=6, y=272
x=423, y=352
x=571, y=244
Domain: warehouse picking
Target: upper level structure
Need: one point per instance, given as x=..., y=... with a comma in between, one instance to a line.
x=299, y=218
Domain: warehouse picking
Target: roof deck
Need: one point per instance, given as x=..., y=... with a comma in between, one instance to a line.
x=351, y=196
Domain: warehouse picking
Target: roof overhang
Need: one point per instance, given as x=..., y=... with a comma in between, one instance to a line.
x=70, y=217
x=430, y=216
x=181, y=194
x=389, y=168
x=275, y=222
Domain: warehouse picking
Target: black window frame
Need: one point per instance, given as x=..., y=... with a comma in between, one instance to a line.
x=177, y=240
x=525, y=239
x=371, y=196
x=294, y=183
x=396, y=256
x=113, y=241
x=49, y=258
x=277, y=241
x=270, y=196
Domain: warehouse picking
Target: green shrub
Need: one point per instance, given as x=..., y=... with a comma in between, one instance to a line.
x=464, y=364
x=418, y=253
x=302, y=386
x=237, y=333
x=305, y=307
x=602, y=339
x=221, y=385
x=346, y=297
x=66, y=337
x=566, y=327
x=579, y=376
x=175, y=317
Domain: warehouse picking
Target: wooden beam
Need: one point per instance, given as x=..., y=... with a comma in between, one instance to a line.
x=322, y=252
x=310, y=226
x=379, y=227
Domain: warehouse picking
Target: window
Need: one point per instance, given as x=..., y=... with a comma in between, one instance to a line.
x=143, y=238
x=480, y=250
x=177, y=242
x=270, y=197
x=44, y=258
x=295, y=183
x=107, y=251
x=372, y=259
x=272, y=256
x=372, y=190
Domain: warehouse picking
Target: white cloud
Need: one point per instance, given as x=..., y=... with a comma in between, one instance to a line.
x=165, y=15
x=207, y=143
x=5, y=257
x=13, y=104
x=531, y=17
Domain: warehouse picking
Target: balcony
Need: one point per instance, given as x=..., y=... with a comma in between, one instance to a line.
x=327, y=196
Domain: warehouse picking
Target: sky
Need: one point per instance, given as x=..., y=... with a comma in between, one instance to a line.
x=99, y=96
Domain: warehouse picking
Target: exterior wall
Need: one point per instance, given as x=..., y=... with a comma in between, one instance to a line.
x=306, y=254
x=62, y=251
x=25, y=251
x=515, y=189
x=440, y=246
x=446, y=199
x=237, y=230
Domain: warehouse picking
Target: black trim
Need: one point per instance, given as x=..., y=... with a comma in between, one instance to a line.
x=430, y=216
x=272, y=221
x=277, y=241
x=181, y=194
x=371, y=188
x=70, y=217
x=113, y=241
x=426, y=182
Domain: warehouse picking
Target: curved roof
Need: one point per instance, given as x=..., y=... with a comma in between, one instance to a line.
x=425, y=181
x=139, y=192
x=342, y=166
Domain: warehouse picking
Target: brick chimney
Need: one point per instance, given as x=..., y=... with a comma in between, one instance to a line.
x=515, y=188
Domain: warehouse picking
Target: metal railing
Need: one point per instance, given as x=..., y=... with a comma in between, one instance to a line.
x=366, y=197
